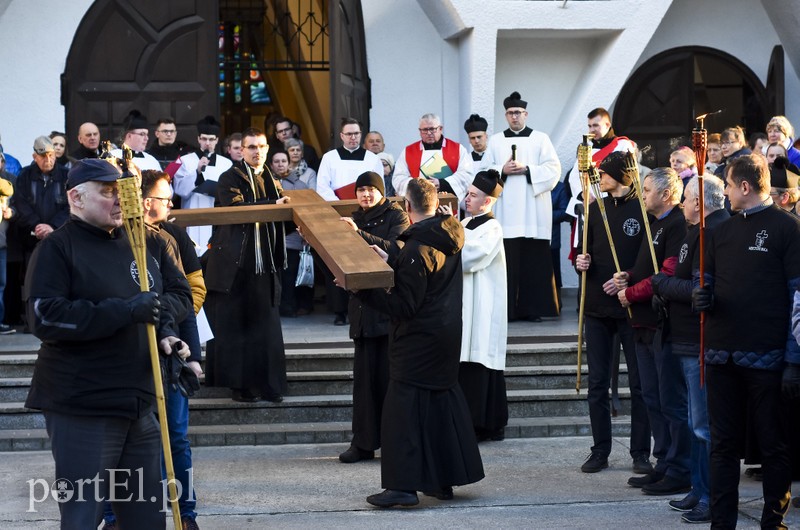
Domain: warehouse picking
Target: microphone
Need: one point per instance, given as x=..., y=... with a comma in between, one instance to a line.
x=514, y=152
x=207, y=156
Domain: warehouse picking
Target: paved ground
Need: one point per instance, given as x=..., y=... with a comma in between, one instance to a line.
x=528, y=484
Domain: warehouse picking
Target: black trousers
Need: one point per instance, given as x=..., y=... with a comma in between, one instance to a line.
x=86, y=448
x=599, y=334
x=370, y=381
x=731, y=389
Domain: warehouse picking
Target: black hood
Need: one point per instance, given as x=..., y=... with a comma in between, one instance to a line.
x=442, y=232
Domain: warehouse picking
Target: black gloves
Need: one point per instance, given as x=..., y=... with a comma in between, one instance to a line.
x=177, y=373
x=790, y=385
x=660, y=307
x=702, y=299
x=144, y=307
x=656, y=280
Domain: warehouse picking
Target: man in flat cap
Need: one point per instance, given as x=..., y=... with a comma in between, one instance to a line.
x=135, y=134
x=196, y=179
x=93, y=378
x=476, y=128
x=529, y=167
x=485, y=322
x=443, y=161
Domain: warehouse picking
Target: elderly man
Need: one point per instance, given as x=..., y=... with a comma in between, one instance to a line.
x=660, y=372
x=40, y=201
x=134, y=135
x=752, y=268
x=784, y=179
x=530, y=169
x=373, y=141
x=444, y=162
x=89, y=140
x=684, y=326
x=93, y=378
x=196, y=178
x=427, y=440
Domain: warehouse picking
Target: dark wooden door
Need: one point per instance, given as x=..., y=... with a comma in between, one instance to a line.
x=350, y=83
x=157, y=56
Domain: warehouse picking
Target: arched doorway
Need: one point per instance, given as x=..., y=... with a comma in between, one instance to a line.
x=658, y=103
x=241, y=60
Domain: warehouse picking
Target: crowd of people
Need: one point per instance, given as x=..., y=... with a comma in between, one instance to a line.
x=457, y=286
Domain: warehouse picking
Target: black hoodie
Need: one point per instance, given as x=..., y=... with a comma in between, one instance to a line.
x=425, y=304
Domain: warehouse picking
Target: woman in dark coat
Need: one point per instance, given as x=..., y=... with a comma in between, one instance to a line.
x=379, y=222
x=243, y=278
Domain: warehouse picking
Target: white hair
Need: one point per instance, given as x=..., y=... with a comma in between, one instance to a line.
x=713, y=192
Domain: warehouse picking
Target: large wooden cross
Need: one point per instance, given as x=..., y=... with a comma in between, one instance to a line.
x=354, y=264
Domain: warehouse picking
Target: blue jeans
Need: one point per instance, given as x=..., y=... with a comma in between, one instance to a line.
x=698, y=423
x=664, y=393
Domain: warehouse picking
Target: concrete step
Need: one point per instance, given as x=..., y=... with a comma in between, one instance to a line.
x=341, y=382
x=328, y=408
x=329, y=432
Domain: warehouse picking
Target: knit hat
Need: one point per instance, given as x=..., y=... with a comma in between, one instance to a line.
x=370, y=178
x=475, y=124
x=514, y=100
x=92, y=169
x=42, y=145
x=134, y=120
x=783, y=174
x=614, y=166
x=208, y=125
x=489, y=182
x=388, y=158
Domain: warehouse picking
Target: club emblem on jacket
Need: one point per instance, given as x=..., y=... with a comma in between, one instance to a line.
x=761, y=237
x=135, y=274
x=631, y=227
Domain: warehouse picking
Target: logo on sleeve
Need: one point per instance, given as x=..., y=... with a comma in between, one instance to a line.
x=631, y=227
x=683, y=253
x=761, y=237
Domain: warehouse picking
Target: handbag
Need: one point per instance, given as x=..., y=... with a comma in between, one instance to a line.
x=305, y=270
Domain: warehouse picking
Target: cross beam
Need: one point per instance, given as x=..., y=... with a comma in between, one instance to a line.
x=354, y=264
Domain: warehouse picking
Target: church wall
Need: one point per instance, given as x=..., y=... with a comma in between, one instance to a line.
x=36, y=36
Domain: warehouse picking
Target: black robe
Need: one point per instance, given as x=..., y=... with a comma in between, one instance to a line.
x=426, y=432
x=242, y=306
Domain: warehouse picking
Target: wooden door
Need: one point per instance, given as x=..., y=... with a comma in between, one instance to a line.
x=157, y=56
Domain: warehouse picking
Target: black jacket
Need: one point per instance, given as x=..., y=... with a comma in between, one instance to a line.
x=94, y=360
x=227, y=251
x=425, y=304
x=379, y=226
x=36, y=201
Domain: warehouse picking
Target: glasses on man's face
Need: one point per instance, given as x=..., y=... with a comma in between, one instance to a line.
x=167, y=131
x=514, y=113
x=352, y=134
x=429, y=130
x=256, y=147
x=143, y=134
x=164, y=200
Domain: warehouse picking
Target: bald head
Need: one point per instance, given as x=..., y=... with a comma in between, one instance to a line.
x=89, y=135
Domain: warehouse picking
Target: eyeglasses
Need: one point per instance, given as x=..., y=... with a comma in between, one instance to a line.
x=144, y=134
x=430, y=130
x=168, y=131
x=514, y=113
x=352, y=134
x=164, y=200
x=256, y=147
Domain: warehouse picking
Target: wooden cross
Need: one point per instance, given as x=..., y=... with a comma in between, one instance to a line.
x=354, y=264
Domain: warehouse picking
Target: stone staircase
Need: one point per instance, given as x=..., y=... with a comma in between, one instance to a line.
x=540, y=378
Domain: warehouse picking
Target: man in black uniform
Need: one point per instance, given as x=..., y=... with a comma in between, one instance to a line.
x=752, y=269
x=605, y=316
x=426, y=431
x=93, y=378
x=660, y=373
x=684, y=334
